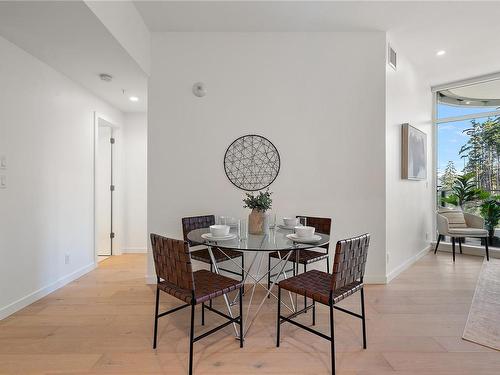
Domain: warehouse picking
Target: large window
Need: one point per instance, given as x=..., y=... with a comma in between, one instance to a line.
x=468, y=142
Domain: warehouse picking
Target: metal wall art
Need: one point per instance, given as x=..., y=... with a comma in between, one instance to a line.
x=252, y=162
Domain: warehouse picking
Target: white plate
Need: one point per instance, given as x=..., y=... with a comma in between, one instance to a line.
x=208, y=236
x=295, y=238
x=288, y=228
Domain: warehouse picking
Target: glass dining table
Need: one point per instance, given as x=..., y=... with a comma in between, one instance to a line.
x=258, y=247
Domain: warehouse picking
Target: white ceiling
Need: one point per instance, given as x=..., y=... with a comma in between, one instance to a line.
x=469, y=31
x=70, y=38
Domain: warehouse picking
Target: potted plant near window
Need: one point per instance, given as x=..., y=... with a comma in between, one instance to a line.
x=490, y=211
x=259, y=204
x=464, y=191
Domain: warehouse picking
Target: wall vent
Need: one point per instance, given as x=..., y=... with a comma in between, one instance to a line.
x=392, y=58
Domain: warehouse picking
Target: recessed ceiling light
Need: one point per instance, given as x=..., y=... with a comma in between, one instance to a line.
x=440, y=53
x=134, y=99
x=467, y=102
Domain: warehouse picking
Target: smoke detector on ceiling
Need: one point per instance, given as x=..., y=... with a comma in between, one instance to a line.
x=106, y=77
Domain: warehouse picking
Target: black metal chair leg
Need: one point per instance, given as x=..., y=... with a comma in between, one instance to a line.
x=460, y=245
x=453, y=246
x=305, y=298
x=156, y=317
x=241, y=317
x=363, y=317
x=269, y=274
x=314, y=313
x=243, y=271
x=328, y=264
x=332, y=338
x=203, y=314
x=191, y=341
x=211, y=270
x=437, y=244
x=279, y=318
x=486, y=248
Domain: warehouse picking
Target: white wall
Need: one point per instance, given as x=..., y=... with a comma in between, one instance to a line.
x=135, y=183
x=46, y=132
x=319, y=97
x=409, y=203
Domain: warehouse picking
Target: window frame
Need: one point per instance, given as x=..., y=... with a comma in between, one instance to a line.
x=436, y=122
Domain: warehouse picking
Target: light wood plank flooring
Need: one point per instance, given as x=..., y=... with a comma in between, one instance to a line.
x=102, y=323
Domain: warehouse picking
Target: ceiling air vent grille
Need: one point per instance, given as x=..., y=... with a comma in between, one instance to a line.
x=392, y=58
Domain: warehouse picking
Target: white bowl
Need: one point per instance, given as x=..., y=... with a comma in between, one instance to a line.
x=304, y=232
x=290, y=221
x=219, y=230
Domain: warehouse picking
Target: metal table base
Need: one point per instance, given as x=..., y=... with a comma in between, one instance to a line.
x=257, y=258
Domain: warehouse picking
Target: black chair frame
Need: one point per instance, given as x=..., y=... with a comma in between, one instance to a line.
x=192, y=339
x=282, y=319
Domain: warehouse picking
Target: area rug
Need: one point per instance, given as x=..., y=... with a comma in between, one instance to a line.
x=483, y=323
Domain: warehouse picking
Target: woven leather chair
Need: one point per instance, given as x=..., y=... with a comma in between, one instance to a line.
x=458, y=225
x=176, y=277
x=330, y=289
x=202, y=255
x=321, y=225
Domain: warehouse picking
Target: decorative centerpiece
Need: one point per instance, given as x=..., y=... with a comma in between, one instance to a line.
x=258, y=221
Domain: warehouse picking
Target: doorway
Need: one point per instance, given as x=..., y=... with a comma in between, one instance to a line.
x=104, y=189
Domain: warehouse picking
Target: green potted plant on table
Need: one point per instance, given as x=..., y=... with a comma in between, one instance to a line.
x=490, y=211
x=259, y=204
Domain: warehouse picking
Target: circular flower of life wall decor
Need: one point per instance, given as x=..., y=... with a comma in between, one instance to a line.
x=252, y=162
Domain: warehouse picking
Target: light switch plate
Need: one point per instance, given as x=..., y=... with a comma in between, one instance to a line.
x=3, y=182
x=3, y=162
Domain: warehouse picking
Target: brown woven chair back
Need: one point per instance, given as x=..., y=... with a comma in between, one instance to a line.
x=350, y=260
x=321, y=225
x=196, y=222
x=172, y=261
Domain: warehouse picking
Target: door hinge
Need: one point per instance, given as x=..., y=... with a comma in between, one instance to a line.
x=112, y=235
x=112, y=187
x=112, y=140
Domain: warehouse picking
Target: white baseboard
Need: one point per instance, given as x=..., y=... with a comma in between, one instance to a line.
x=134, y=250
x=374, y=279
x=42, y=292
x=404, y=266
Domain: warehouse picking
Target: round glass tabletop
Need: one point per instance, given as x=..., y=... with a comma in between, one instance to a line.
x=275, y=240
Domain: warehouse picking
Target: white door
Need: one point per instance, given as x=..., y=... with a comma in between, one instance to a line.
x=104, y=170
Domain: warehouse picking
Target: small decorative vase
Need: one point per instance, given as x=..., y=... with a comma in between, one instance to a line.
x=266, y=223
x=256, y=222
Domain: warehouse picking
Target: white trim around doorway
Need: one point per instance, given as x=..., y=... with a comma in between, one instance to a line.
x=98, y=116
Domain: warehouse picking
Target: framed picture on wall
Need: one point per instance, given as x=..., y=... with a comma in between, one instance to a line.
x=413, y=153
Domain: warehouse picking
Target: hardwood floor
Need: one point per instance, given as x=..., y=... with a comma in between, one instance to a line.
x=102, y=323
